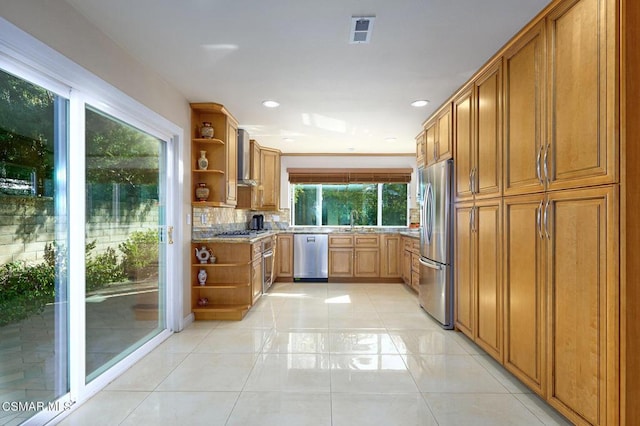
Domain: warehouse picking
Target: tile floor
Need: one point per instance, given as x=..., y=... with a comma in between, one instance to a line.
x=318, y=354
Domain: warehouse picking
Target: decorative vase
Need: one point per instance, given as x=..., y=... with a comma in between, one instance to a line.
x=206, y=131
x=212, y=259
x=202, y=192
x=203, y=162
x=203, y=254
x=203, y=301
x=202, y=277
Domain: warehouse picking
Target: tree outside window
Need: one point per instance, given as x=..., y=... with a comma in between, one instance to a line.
x=372, y=204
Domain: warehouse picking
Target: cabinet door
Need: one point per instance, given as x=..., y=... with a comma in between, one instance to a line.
x=256, y=162
x=524, y=288
x=367, y=262
x=488, y=253
x=270, y=179
x=430, y=144
x=340, y=262
x=524, y=86
x=420, y=149
x=487, y=164
x=406, y=267
x=232, y=163
x=582, y=74
x=256, y=279
x=444, y=139
x=390, y=249
x=463, y=135
x=583, y=303
x=463, y=272
x=285, y=256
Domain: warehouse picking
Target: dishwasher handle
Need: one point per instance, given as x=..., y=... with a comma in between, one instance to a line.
x=267, y=253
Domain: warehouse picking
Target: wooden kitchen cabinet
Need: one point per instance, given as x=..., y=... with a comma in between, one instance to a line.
x=270, y=181
x=525, y=290
x=524, y=113
x=478, y=281
x=230, y=283
x=463, y=144
x=439, y=140
x=583, y=313
x=220, y=177
x=256, y=279
x=406, y=267
x=420, y=149
x=340, y=262
x=367, y=262
x=284, y=256
x=410, y=262
x=581, y=117
x=390, y=250
x=478, y=133
x=486, y=173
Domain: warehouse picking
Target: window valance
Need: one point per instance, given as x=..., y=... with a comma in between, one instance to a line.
x=336, y=176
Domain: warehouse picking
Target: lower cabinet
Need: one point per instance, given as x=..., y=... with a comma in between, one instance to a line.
x=284, y=256
x=478, y=276
x=367, y=262
x=340, y=262
x=390, y=249
x=411, y=262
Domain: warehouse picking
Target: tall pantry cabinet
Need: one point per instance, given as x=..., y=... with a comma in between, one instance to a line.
x=546, y=152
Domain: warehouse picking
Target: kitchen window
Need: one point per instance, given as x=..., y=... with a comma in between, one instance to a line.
x=366, y=204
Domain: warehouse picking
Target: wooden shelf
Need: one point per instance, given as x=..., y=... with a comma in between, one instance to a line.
x=208, y=204
x=221, y=312
x=220, y=308
x=213, y=141
x=221, y=265
x=219, y=286
x=221, y=172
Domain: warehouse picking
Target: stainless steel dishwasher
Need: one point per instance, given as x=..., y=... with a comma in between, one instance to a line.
x=311, y=257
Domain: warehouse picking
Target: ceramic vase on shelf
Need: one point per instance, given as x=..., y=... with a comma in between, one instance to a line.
x=206, y=131
x=202, y=277
x=203, y=162
x=202, y=192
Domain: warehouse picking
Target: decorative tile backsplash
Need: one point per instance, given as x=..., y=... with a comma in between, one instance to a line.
x=226, y=219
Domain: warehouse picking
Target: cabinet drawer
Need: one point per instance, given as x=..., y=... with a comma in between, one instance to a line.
x=415, y=280
x=340, y=240
x=407, y=243
x=415, y=262
x=415, y=245
x=367, y=241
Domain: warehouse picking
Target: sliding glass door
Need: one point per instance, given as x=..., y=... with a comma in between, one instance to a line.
x=125, y=239
x=34, y=309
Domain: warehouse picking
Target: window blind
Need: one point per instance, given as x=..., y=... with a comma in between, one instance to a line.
x=337, y=176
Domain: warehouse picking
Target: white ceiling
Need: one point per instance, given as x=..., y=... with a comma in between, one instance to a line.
x=335, y=97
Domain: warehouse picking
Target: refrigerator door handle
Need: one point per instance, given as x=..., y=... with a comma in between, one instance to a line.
x=428, y=206
x=430, y=264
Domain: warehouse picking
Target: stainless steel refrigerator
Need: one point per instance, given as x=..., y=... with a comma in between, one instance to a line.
x=436, y=243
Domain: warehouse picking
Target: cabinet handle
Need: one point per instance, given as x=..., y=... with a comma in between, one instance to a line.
x=538, y=219
x=546, y=220
x=538, y=171
x=471, y=180
x=473, y=219
x=170, y=234
x=546, y=166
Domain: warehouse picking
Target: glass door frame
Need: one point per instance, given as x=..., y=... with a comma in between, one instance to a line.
x=27, y=58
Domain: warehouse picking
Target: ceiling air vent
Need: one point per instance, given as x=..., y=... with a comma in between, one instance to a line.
x=361, y=27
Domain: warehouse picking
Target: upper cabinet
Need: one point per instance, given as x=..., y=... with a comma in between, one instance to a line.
x=270, y=178
x=524, y=90
x=420, y=149
x=478, y=136
x=486, y=175
x=265, y=171
x=213, y=155
x=581, y=123
x=438, y=136
x=464, y=150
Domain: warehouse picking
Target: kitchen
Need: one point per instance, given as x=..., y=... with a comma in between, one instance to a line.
x=490, y=207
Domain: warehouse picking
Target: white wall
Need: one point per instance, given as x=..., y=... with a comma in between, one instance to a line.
x=344, y=161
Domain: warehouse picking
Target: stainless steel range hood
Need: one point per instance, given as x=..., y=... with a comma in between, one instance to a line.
x=244, y=159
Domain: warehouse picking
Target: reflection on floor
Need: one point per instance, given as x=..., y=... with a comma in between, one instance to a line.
x=318, y=354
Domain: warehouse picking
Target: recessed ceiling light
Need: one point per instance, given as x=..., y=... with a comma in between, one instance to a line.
x=270, y=104
x=390, y=139
x=419, y=103
x=287, y=140
x=351, y=148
